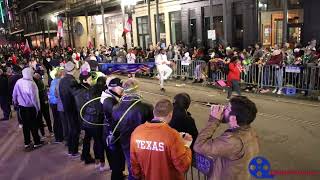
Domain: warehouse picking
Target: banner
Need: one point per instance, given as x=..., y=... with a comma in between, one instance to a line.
x=110, y=68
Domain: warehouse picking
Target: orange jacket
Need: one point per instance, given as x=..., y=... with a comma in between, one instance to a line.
x=157, y=152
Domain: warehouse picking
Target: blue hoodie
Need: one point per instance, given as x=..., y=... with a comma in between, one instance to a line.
x=52, y=97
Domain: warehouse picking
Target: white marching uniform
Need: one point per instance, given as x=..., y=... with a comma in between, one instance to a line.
x=163, y=69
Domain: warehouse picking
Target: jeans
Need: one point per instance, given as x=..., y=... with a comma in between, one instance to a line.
x=265, y=77
x=279, y=78
x=57, y=124
x=5, y=106
x=235, y=86
x=214, y=76
x=29, y=121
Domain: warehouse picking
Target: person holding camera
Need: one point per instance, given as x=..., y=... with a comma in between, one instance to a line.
x=158, y=151
x=233, y=150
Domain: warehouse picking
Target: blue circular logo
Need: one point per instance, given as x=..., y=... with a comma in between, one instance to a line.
x=260, y=168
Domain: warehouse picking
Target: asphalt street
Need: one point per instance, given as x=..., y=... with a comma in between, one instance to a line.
x=288, y=131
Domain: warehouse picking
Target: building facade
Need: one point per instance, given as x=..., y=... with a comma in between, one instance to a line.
x=30, y=19
x=237, y=23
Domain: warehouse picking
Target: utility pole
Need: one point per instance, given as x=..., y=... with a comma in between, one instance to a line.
x=158, y=21
x=149, y=22
x=48, y=26
x=103, y=27
x=285, y=21
x=211, y=21
x=68, y=24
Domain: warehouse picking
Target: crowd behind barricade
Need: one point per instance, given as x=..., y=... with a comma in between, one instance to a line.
x=154, y=141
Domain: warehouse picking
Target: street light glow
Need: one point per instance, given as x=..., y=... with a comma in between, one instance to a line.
x=53, y=18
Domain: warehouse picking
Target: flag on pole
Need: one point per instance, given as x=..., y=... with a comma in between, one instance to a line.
x=90, y=44
x=60, y=29
x=26, y=49
x=128, y=25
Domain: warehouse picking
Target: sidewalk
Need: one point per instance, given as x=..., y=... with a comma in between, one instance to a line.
x=46, y=163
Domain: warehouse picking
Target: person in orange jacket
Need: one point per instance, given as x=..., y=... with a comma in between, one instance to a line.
x=157, y=151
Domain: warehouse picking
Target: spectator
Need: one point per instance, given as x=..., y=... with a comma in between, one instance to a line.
x=109, y=99
x=60, y=109
x=182, y=120
x=4, y=96
x=233, y=79
x=66, y=86
x=276, y=61
x=233, y=150
x=44, y=106
x=92, y=121
x=131, y=112
x=57, y=123
x=158, y=151
x=25, y=95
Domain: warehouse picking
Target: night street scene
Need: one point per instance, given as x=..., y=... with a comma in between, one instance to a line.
x=159, y=89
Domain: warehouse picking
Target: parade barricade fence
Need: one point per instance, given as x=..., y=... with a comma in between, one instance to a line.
x=303, y=78
x=201, y=167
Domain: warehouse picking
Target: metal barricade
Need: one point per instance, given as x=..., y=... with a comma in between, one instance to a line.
x=201, y=167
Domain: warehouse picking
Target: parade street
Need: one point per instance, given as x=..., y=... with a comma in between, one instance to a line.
x=288, y=131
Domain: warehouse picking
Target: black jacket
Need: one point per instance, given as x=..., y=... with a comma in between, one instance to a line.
x=181, y=118
x=4, y=86
x=66, y=86
x=109, y=100
x=137, y=115
x=92, y=113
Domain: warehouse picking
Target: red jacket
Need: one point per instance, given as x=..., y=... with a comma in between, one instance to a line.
x=234, y=72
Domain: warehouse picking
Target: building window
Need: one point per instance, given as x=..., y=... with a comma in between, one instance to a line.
x=175, y=26
x=162, y=27
x=271, y=14
x=193, y=32
x=143, y=32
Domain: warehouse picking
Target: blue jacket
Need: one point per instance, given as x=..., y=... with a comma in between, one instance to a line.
x=52, y=97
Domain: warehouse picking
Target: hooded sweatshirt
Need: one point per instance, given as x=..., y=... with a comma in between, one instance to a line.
x=25, y=92
x=181, y=118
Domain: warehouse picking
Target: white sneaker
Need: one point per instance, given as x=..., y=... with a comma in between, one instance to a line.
x=279, y=92
x=97, y=165
x=274, y=91
x=103, y=168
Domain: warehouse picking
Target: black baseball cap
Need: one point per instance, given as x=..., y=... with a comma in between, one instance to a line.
x=115, y=82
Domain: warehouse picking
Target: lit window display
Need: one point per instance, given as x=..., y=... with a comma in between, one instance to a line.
x=271, y=16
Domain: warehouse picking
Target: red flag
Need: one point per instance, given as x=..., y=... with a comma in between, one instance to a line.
x=26, y=49
x=128, y=25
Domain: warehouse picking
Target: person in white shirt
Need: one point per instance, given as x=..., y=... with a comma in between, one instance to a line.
x=131, y=59
x=163, y=69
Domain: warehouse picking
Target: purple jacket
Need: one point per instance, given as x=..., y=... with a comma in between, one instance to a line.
x=25, y=92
